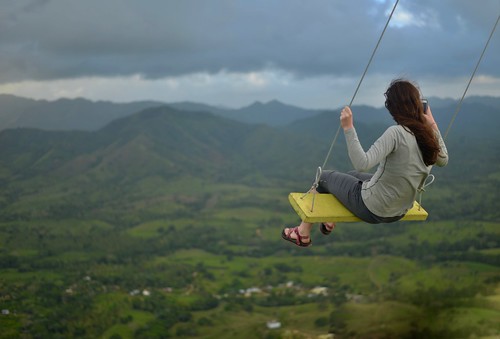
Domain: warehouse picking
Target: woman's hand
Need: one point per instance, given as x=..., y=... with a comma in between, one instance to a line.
x=346, y=118
x=430, y=118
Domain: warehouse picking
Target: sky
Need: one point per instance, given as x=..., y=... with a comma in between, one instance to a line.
x=232, y=53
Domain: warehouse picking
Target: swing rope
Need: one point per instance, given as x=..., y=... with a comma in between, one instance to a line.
x=424, y=184
x=361, y=80
x=319, y=170
x=459, y=106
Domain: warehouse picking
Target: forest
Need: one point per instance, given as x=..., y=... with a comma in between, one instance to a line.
x=166, y=223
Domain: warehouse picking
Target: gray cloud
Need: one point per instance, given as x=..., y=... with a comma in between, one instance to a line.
x=70, y=38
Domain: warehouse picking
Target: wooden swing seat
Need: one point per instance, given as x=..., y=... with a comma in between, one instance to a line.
x=328, y=209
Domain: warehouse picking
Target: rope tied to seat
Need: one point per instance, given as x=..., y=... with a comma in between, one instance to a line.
x=422, y=187
x=314, y=187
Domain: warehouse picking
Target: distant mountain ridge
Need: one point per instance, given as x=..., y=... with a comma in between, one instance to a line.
x=64, y=114
x=478, y=113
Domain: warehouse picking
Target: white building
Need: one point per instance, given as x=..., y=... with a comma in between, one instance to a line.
x=273, y=324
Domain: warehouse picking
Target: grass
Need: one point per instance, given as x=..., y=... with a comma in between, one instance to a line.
x=25, y=252
x=231, y=324
x=10, y=326
x=469, y=321
x=390, y=318
x=139, y=319
x=314, y=270
x=445, y=276
x=494, y=299
x=16, y=277
x=122, y=303
x=383, y=269
x=151, y=229
x=444, y=232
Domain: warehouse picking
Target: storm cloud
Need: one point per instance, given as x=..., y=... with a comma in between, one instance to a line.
x=234, y=52
x=69, y=38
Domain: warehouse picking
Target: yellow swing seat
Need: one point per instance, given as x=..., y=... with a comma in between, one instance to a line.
x=328, y=209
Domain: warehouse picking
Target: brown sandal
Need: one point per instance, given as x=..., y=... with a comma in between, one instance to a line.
x=298, y=241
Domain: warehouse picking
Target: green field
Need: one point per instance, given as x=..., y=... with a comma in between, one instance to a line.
x=135, y=234
x=375, y=295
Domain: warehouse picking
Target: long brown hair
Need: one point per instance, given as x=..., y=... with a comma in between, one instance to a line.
x=405, y=105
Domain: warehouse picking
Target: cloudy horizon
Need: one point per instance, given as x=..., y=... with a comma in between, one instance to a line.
x=232, y=53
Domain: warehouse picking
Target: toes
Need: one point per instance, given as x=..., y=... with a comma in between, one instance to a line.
x=329, y=226
x=289, y=232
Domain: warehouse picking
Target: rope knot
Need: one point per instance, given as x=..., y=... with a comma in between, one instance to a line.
x=422, y=187
x=314, y=187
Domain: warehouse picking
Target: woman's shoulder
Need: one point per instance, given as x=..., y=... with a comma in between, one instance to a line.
x=395, y=130
x=398, y=133
x=399, y=130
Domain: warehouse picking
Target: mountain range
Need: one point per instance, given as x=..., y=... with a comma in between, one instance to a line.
x=168, y=140
x=476, y=115
x=63, y=114
x=175, y=145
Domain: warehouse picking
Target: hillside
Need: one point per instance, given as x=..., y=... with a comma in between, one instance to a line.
x=157, y=142
x=176, y=144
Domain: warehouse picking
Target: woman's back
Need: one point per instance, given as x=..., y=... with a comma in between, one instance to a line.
x=393, y=188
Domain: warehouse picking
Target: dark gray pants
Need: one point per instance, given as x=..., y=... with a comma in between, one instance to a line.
x=346, y=187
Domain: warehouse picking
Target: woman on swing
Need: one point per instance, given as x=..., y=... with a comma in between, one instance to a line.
x=405, y=154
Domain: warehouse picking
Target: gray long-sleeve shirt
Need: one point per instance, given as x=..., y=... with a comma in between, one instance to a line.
x=393, y=188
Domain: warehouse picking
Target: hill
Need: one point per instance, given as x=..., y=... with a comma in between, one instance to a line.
x=157, y=142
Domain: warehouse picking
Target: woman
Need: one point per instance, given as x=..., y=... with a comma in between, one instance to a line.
x=405, y=154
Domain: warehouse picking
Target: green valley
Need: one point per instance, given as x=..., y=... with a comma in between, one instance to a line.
x=167, y=223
